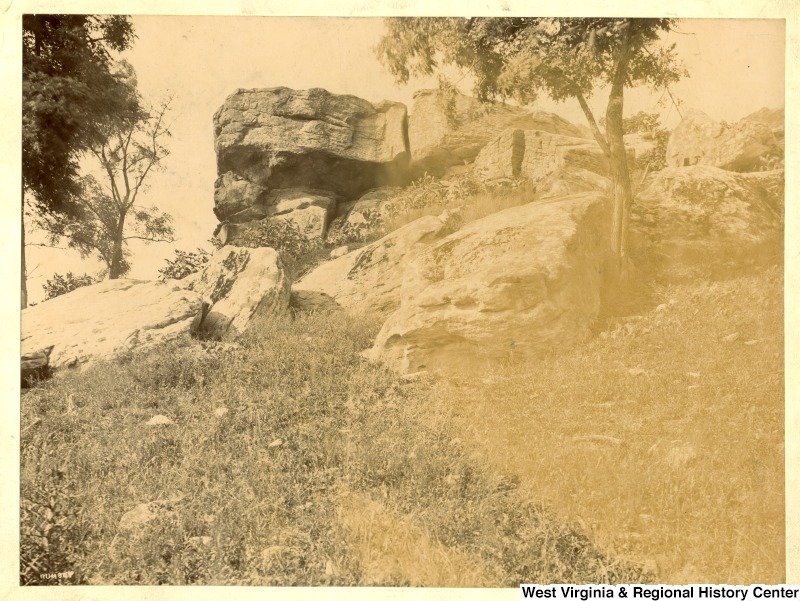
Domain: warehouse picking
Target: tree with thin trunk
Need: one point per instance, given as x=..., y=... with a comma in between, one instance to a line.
x=109, y=213
x=70, y=92
x=566, y=58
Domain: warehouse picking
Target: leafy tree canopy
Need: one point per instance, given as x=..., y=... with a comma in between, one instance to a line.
x=71, y=90
x=521, y=57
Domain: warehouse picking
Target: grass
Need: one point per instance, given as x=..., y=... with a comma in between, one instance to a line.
x=475, y=198
x=324, y=470
x=663, y=436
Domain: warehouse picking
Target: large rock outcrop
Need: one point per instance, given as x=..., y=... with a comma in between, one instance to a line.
x=571, y=164
x=448, y=128
x=276, y=138
x=99, y=321
x=521, y=282
x=754, y=143
x=237, y=285
x=702, y=221
x=368, y=279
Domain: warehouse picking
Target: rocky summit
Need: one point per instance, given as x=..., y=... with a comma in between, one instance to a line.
x=476, y=233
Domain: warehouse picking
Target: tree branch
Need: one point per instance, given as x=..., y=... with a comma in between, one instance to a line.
x=149, y=238
x=598, y=135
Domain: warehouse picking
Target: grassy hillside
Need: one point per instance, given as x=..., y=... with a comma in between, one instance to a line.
x=290, y=461
x=663, y=437
x=652, y=452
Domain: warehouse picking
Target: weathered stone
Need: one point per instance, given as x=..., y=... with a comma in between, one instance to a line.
x=521, y=282
x=283, y=138
x=339, y=251
x=234, y=196
x=748, y=145
x=447, y=130
x=310, y=211
x=365, y=218
x=35, y=365
x=368, y=279
x=99, y=321
x=138, y=517
x=570, y=164
x=160, y=420
x=703, y=221
x=238, y=284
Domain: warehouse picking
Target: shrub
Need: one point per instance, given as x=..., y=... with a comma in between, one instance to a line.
x=61, y=284
x=298, y=252
x=642, y=123
x=656, y=158
x=184, y=264
x=52, y=534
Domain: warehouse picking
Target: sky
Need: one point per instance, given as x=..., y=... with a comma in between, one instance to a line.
x=199, y=61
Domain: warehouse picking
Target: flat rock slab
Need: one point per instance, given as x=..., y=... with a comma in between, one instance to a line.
x=99, y=321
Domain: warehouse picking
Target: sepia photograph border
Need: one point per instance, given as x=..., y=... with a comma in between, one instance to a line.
x=10, y=169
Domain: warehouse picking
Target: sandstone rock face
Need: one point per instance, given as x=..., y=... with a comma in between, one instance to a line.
x=748, y=145
x=520, y=282
x=275, y=138
x=448, y=130
x=544, y=158
x=35, y=365
x=364, y=218
x=702, y=221
x=368, y=279
x=308, y=210
x=96, y=322
x=239, y=284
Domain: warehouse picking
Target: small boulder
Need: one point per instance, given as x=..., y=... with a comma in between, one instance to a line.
x=238, y=284
x=35, y=365
x=133, y=520
x=310, y=212
x=160, y=420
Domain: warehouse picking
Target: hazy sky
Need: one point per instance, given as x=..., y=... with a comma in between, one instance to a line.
x=201, y=60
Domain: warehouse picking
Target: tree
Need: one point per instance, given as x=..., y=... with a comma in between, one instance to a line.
x=109, y=214
x=69, y=93
x=565, y=58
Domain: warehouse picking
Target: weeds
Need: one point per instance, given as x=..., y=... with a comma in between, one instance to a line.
x=254, y=495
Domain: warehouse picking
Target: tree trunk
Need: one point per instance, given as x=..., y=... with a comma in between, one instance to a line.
x=24, y=271
x=116, y=268
x=620, y=176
